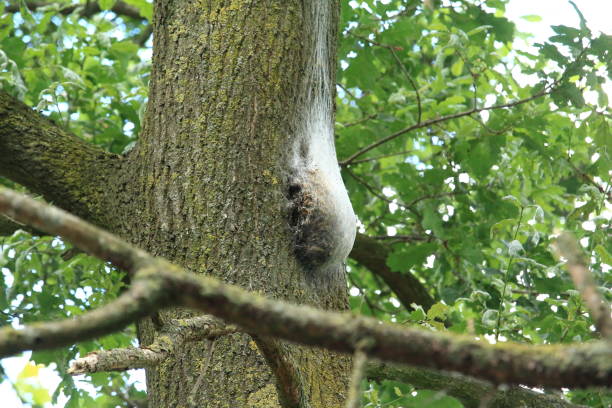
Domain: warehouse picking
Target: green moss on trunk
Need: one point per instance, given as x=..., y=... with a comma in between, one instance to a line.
x=205, y=188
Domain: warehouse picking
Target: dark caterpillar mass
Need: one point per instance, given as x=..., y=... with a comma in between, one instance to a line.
x=313, y=228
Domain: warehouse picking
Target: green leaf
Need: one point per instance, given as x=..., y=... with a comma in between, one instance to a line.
x=532, y=18
x=457, y=67
x=433, y=220
x=438, y=311
x=123, y=48
x=106, y=4
x=489, y=318
x=145, y=8
x=402, y=259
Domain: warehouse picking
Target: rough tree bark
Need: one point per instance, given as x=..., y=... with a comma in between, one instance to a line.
x=210, y=187
x=231, y=177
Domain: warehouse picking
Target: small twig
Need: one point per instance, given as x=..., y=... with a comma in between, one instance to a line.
x=373, y=190
x=431, y=196
x=382, y=156
x=567, y=247
x=402, y=238
x=506, y=278
x=488, y=129
x=431, y=122
x=588, y=179
x=412, y=83
x=399, y=62
x=192, y=400
x=360, y=359
x=131, y=403
x=360, y=121
x=349, y=93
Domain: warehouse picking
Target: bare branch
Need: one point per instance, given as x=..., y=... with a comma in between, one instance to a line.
x=399, y=62
x=360, y=358
x=174, y=335
x=158, y=283
x=289, y=384
x=567, y=247
x=128, y=308
x=382, y=156
x=359, y=121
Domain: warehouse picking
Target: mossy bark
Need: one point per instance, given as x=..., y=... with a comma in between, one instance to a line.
x=206, y=189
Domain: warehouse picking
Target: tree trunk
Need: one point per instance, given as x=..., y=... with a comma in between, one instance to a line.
x=235, y=176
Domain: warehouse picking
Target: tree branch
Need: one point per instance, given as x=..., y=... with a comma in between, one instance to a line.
x=48, y=160
x=373, y=255
x=467, y=390
x=174, y=335
x=288, y=382
x=360, y=358
x=131, y=306
x=431, y=122
x=567, y=247
x=87, y=10
x=158, y=283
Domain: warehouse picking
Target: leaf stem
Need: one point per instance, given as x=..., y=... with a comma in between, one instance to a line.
x=506, y=277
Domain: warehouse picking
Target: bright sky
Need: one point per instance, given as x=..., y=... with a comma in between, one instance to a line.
x=553, y=12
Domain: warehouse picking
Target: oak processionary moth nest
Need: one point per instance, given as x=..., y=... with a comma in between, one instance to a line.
x=321, y=215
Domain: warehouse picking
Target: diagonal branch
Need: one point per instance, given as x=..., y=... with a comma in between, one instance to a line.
x=568, y=247
x=158, y=283
x=131, y=306
x=431, y=122
x=48, y=160
x=373, y=255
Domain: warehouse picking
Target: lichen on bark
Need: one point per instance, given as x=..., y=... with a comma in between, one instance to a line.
x=206, y=187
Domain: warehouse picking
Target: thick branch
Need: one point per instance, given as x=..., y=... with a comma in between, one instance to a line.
x=175, y=334
x=469, y=391
x=47, y=160
x=373, y=255
x=158, y=284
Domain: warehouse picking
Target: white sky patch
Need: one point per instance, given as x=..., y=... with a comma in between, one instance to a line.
x=542, y=297
x=557, y=12
x=464, y=178
x=393, y=207
x=430, y=261
x=589, y=226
